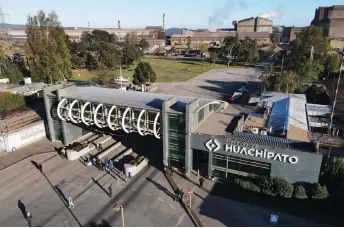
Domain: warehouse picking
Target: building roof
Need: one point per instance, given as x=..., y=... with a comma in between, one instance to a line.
x=134, y=99
x=318, y=110
x=288, y=114
x=29, y=87
x=325, y=139
x=246, y=19
x=218, y=123
x=206, y=34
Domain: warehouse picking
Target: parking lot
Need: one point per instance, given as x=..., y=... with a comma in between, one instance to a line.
x=215, y=84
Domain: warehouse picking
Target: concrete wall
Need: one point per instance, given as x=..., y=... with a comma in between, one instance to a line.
x=70, y=132
x=15, y=140
x=336, y=29
x=164, y=117
x=246, y=25
x=306, y=169
x=263, y=25
x=190, y=123
x=47, y=92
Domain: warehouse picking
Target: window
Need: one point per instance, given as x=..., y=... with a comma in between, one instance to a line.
x=200, y=115
x=219, y=174
x=217, y=107
x=211, y=107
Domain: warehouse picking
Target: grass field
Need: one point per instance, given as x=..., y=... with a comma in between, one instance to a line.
x=167, y=70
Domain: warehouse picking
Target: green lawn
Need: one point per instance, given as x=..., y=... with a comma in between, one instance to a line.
x=167, y=70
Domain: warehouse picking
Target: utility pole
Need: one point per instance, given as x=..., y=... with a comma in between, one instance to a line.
x=2, y=18
x=335, y=97
x=282, y=65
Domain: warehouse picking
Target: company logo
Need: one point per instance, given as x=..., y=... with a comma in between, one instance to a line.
x=212, y=145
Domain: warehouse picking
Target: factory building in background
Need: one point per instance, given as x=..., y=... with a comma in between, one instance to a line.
x=331, y=19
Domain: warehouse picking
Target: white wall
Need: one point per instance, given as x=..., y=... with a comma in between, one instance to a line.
x=23, y=137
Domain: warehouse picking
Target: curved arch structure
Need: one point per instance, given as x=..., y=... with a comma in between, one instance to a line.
x=70, y=114
x=139, y=122
x=131, y=119
x=83, y=119
x=155, y=131
x=123, y=120
x=108, y=119
x=63, y=101
x=95, y=116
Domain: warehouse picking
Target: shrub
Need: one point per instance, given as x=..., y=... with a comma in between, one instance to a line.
x=300, y=192
x=266, y=186
x=79, y=146
x=319, y=192
x=246, y=184
x=11, y=101
x=282, y=187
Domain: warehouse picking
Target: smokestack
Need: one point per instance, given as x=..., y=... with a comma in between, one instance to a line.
x=163, y=22
x=89, y=26
x=119, y=24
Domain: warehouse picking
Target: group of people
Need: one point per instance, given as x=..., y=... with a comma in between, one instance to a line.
x=106, y=165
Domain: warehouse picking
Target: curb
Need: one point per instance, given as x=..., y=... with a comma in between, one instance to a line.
x=192, y=215
x=21, y=160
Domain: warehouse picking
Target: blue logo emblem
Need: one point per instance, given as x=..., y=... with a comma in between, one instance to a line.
x=274, y=218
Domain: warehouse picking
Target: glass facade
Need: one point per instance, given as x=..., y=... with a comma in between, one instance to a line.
x=226, y=165
x=176, y=140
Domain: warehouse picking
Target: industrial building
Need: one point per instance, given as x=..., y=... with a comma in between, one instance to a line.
x=216, y=138
x=252, y=24
x=290, y=33
x=331, y=19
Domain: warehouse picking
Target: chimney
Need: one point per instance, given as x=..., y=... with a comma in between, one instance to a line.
x=119, y=24
x=163, y=22
x=209, y=26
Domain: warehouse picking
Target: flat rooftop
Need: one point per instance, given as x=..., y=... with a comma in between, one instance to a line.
x=219, y=123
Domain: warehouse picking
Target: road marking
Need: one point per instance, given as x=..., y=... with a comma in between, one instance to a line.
x=148, y=194
x=180, y=219
x=172, y=206
x=135, y=189
x=160, y=199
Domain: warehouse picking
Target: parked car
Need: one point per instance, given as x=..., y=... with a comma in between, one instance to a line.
x=237, y=93
x=121, y=79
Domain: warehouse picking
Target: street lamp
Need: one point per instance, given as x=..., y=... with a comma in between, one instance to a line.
x=117, y=208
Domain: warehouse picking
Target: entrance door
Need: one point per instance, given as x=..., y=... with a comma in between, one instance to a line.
x=200, y=161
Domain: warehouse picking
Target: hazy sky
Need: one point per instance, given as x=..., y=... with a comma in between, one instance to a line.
x=179, y=13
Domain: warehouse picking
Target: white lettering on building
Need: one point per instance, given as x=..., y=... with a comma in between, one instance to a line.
x=261, y=154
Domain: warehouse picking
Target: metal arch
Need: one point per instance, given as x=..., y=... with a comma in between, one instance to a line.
x=70, y=111
x=59, y=109
x=154, y=126
x=95, y=117
x=83, y=113
x=123, y=120
x=212, y=102
x=139, y=122
x=109, y=118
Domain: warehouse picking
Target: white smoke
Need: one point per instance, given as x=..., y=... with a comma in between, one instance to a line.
x=271, y=15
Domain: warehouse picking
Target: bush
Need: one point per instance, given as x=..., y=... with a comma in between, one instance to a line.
x=79, y=146
x=319, y=192
x=282, y=187
x=246, y=184
x=300, y=192
x=266, y=186
x=11, y=101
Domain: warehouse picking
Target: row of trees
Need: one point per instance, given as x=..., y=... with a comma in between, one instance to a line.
x=310, y=55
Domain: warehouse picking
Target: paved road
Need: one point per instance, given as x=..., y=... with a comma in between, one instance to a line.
x=215, y=84
x=145, y=198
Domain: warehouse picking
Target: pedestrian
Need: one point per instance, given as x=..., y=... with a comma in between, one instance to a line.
x=29, y=218
x=176, y=196
x=110, y=190
x=181, y=194
x=100, y=147
x=70, y=202
x=201, y=181
x=129, y=175
x=171, y=171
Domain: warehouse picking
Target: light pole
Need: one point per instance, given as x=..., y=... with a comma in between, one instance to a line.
x=117, y=208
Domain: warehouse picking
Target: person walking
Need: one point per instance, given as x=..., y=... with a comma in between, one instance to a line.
x=100, y=147
x=110, y=190
x=29, y=218
x=171, y=171
x=176, y=196
x=181, y=194
x=70, y=202
x=201, y=181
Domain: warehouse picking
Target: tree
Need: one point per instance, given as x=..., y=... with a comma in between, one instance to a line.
x=188, y=42
x=229, y=44
x=9, y=70
x=144, y=74
x=46, y=49
x=11, y=101
x=300, y=192
x=100, y=35
x=213, y=57
x=143, y=44
x=332, y=176
x=131, y=51
x=332, y=63
x=319, y=192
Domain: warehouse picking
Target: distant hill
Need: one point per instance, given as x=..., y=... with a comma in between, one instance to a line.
x=14, y=26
